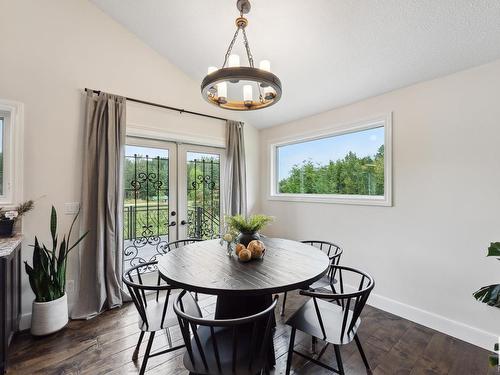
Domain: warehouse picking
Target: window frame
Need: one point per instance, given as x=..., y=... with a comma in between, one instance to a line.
x=13, y=114
x=384, y=121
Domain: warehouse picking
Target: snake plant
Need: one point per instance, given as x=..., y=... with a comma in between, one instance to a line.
x=490, y=295
x=47, y=276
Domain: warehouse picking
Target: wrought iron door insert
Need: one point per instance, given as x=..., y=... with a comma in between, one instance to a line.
x=146, y=221
x=203, y=195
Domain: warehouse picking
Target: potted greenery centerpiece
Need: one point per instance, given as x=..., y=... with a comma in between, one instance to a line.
x=8, y=217
x=47, y=278
x=248, y=228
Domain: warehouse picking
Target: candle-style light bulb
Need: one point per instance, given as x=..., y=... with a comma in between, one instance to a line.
x=222, y=92
x=213, y=89
x=265, y=65
x=269, y=93
x=233, y=61
x=247, y=95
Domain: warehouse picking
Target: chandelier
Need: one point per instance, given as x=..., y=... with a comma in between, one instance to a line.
x=257, y=87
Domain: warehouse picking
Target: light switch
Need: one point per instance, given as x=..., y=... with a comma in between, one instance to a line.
x=71, y=208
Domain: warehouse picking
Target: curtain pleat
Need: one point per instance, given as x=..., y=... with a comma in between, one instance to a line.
x=100, y=256
x=235, y=181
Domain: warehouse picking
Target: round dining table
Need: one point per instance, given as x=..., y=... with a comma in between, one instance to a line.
x=243, y=288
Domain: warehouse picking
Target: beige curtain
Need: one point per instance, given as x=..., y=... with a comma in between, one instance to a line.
x=102, y=201
x=235, y=181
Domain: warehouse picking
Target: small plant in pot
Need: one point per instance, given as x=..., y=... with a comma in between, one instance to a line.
x=248, y=227
x=8, y=217
x=47, y=277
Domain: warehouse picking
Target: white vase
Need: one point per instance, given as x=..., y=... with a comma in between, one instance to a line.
x=49, y=317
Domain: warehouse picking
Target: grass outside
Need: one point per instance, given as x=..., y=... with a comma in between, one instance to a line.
x=156, y=220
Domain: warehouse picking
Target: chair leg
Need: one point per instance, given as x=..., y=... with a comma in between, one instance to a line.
x=146, y=355
x=283, y=306
x=169, y=337
x=290, y=352
x=339, y=359
x=136, y=351
x=323, y=351
x=362, y=352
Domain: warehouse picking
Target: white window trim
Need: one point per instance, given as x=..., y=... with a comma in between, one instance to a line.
x=139, y=131
x=384, y=120
x=13, y=152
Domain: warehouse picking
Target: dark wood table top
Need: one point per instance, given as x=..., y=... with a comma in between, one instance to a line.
x=206, y=268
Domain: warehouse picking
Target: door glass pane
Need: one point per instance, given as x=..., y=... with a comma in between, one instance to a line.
x=203, y=195
x=146, y=204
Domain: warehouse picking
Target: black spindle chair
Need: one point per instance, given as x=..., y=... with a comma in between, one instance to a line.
x=175, y=245
x=334, y=252
x=335, y=323
x=230, y=346
x=153, y=315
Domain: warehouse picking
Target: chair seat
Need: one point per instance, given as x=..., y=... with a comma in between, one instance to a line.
x=154, y=312
x=306, y=320
x=224, y=340
x=324, y=282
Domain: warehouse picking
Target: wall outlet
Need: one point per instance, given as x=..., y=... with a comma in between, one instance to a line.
x=70, y=286
x=71, y=208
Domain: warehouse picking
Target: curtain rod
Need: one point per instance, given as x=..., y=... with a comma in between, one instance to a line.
x=180, y=110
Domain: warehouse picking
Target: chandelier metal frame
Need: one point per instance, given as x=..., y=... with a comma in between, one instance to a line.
x=259, y=77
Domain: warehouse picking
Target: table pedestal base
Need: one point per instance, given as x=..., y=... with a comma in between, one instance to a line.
x=230, y=307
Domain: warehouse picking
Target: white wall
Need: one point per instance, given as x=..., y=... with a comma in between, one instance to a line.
x=254, y=175
x=427, y=252
x=50, y=51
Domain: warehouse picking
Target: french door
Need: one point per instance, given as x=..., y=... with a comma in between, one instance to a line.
x=171, y=191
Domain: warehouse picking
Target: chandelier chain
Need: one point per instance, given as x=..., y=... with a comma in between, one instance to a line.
x=230, y=48
x=246, y=43
x=247, y=47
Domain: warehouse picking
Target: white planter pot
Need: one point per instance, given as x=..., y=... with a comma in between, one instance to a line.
x=49, y=317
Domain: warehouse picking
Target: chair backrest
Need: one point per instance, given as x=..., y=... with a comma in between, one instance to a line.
x=179, y=243
x=351, y=302
x=133, y=279
x=333, y=251
x=190, y=320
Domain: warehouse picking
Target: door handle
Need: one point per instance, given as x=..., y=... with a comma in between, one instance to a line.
x=172, y=224
x=184, y=222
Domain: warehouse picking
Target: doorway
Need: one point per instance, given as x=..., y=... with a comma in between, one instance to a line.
x=171, y=191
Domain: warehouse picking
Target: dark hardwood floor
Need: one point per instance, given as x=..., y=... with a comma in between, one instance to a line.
x=104, y=345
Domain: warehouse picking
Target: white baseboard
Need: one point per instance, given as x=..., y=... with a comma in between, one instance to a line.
x=437, y=322
x=25, y=322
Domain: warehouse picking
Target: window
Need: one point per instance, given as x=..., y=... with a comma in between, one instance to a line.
x=11, y=131
x=351, y=164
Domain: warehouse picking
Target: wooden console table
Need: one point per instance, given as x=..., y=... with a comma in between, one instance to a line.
x=10, y=295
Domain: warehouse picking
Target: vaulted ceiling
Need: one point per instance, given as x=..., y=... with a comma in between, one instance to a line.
x=328, y=53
